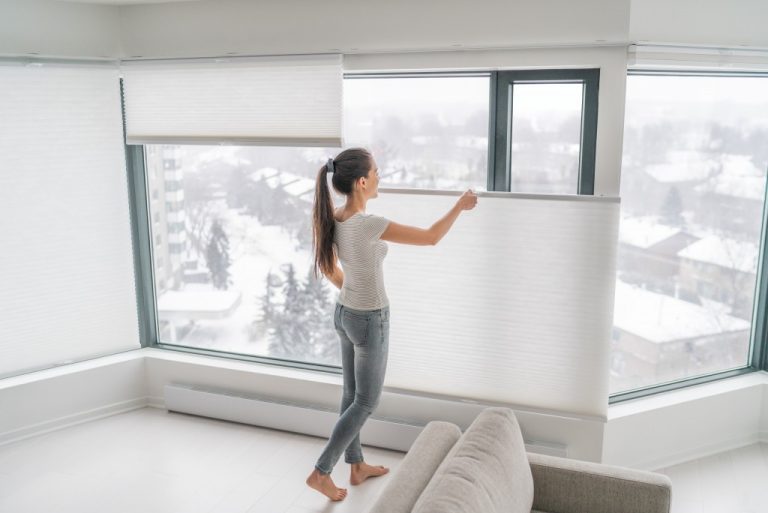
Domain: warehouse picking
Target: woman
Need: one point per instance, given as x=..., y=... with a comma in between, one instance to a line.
x=362, y=312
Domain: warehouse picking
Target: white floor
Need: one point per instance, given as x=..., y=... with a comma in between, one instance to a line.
x=151, y=460
x=729, y=482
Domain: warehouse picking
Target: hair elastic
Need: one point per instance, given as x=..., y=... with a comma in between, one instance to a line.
x=329, y=165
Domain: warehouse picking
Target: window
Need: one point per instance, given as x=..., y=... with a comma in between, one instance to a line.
x=693, y=194
x=238, y=258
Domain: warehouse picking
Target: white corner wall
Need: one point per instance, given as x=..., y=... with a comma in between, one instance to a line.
x=51, y=399
x=59, y=29
x=672, y=427
x=649, y=433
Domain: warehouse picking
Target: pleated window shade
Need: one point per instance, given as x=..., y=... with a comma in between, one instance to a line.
x=66, y=265
x=514, y=305
x=276, y=101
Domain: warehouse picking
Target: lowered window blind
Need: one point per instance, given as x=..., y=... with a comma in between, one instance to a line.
x=66, y=264
x=514, y=305
x=279, y=101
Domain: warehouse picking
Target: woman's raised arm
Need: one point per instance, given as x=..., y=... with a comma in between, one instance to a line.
x=405, y=234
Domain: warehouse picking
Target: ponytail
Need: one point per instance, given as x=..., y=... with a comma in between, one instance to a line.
x=323, y=226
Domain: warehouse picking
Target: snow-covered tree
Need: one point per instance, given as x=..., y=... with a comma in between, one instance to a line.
x=217, y=256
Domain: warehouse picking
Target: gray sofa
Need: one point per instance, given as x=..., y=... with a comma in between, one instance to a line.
x=487, y=470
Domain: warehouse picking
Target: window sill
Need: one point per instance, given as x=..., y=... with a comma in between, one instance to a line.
x=686, y=395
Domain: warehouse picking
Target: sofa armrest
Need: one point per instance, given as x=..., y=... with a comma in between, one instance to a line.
x=562, y=485
x=417, y=468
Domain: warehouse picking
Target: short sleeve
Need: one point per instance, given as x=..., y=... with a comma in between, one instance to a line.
x=375, y=226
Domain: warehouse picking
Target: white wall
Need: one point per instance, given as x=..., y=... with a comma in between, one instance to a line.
x=61, y=29
x=764, y=417
x=689, y=423
x=700, y=22
x=583, y=437
x=220, y=27
x=37, y=402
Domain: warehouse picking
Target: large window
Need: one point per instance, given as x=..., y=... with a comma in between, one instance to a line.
x=230, y=225
x=693, y=193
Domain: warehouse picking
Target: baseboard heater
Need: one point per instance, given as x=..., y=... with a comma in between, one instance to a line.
x=394, y=434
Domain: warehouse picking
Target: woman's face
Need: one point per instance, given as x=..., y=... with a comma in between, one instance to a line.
x=372, y=181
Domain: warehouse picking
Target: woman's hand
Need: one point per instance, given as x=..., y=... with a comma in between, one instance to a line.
x=468, y=200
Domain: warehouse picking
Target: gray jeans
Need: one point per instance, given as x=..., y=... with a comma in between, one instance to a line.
x=364, y=337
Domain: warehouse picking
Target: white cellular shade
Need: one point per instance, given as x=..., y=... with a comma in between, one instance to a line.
x=289, y=100
x=514, y=305
x=66, y=264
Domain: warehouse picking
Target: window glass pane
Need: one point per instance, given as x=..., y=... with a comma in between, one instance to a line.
x=232, y=251
x=427, y=133
x=693, y=188
x=546, y=137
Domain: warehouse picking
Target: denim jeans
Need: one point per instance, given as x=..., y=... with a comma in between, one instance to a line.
x=364, y=338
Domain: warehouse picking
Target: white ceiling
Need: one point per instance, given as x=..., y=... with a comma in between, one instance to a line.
x=124, y=2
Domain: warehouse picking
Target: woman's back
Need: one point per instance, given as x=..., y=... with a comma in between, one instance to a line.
x=361, y=253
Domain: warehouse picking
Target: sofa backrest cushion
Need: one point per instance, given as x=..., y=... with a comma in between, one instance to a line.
x=417, y=468
x=487, y=471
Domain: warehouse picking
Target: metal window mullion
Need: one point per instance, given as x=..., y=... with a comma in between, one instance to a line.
x=492, y=120
x=500, y=173
x=588, y=133
x=759, y=341
x=140, y=237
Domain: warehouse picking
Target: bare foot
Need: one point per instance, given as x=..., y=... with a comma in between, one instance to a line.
x=324, y=484
x=362, y=471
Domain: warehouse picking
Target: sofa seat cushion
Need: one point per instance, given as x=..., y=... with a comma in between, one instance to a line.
x=487, y=471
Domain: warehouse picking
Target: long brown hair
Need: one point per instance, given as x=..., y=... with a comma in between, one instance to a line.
x=348, y=166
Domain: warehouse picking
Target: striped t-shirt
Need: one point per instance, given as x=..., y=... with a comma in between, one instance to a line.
x=361, y=254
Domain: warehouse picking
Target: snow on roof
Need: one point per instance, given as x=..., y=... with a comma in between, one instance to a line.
x=264, y=172
x=728, y=253
x=683, y=166
x=198, y=301
x=659, y=318
x=225, y=154
x=300, y=187
x=294, y=185
x=739, y=178
x=644, y=232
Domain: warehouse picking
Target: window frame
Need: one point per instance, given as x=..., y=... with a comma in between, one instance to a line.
x=502, y=89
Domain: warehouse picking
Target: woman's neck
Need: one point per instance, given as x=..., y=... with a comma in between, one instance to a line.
x=355, y=204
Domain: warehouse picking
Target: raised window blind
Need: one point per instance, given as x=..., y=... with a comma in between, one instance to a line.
x=514, y=305
x=276, y=101
x=66, y=264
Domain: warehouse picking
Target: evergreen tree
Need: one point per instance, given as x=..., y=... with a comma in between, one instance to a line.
x=261, y=325
x=324, y=339
x=217, y=256
x=672, y=209
x=291, y=337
